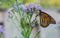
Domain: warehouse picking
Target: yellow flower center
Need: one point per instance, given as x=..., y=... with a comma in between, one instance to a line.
x=26, y=5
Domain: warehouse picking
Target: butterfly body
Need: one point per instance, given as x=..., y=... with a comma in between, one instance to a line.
x=45, y=19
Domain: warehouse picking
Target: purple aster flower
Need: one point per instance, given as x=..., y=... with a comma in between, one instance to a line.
x=1, y=28
x=37, y=6
x=34, y=6
x=30, y=6
x=23, y=7
x=40, y=8
x=33, y=25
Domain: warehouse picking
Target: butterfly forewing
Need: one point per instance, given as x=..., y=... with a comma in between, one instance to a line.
x=46, y=19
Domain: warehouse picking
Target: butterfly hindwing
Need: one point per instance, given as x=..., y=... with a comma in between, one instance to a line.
x=43, y=21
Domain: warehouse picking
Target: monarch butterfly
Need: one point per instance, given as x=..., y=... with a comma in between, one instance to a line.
x=45, y=19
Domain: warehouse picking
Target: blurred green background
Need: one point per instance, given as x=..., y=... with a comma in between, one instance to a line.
x=44, y=3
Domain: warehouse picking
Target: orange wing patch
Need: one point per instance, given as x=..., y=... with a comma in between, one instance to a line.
x=46, y=19
x=46, y=16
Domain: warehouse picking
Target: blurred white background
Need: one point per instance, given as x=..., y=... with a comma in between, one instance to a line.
x=50, y=32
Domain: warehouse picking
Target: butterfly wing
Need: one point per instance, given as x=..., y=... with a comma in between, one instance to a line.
x=46, y=19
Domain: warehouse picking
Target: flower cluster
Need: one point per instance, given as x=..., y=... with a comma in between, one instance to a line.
x=26, y=13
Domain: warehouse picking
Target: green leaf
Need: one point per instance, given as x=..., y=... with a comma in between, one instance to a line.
x=22, y=23
x=23, y=33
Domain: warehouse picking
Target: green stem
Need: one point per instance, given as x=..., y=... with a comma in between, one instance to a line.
x=37, y=35
x=28, y=33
